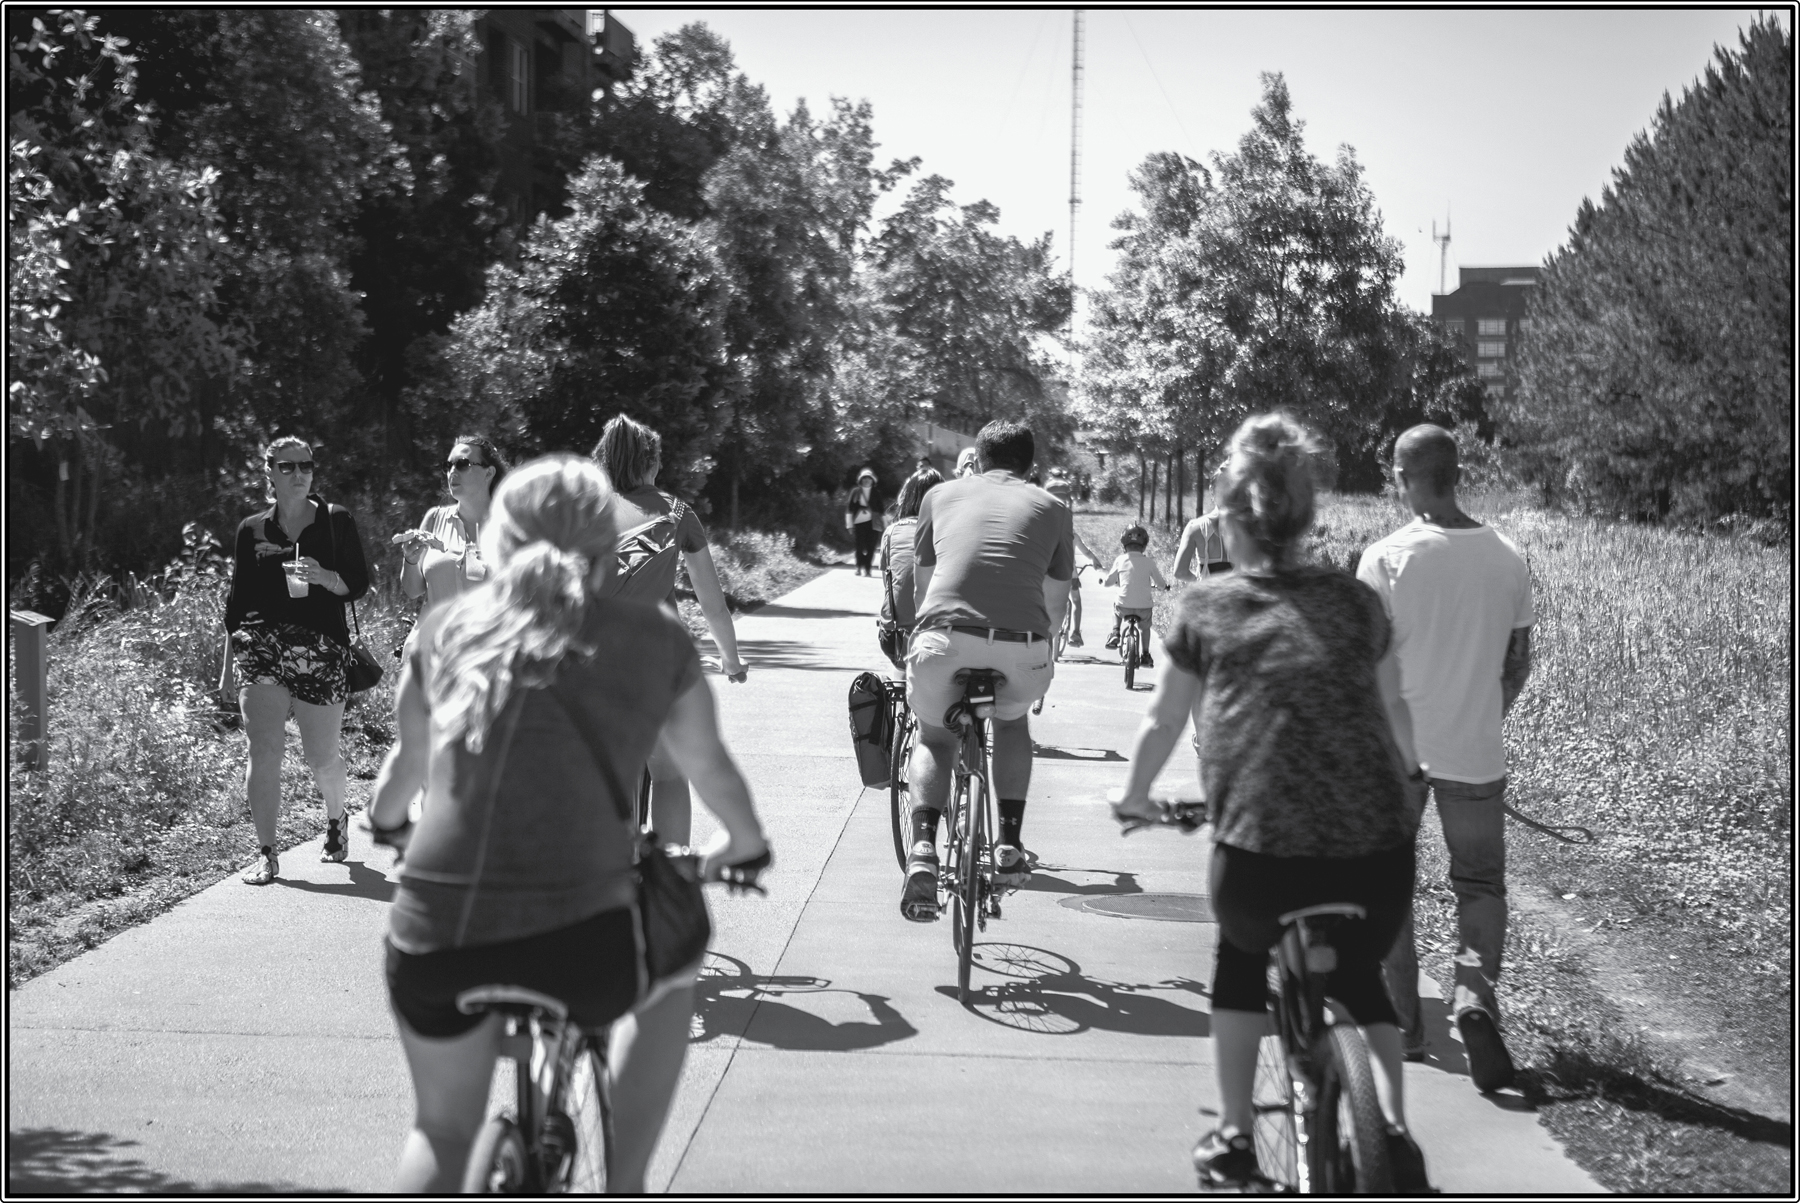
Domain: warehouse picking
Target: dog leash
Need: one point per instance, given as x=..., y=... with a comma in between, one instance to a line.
x=1555, y=832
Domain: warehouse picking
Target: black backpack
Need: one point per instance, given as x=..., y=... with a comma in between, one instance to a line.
x=871, y=732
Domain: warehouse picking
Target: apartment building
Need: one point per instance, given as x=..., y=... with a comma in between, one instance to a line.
x=1486, y=319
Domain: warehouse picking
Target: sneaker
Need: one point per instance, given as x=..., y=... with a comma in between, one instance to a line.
x=1112, y=640
x=1413, y=1052
x=1074, y=638
x=1408, y=1162
x=1489, y=1063
x=1011, y=865
x=918, y=901
x=1225, y=1162
x=1144, y=660
x=337, y=840
x=263, y=871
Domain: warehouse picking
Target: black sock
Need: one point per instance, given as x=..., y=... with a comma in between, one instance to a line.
x=1012, y=817
x=925, y=825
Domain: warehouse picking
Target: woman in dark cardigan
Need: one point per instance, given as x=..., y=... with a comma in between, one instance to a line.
x=295, y=566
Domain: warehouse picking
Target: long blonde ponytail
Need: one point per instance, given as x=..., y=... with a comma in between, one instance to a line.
x=551, y=522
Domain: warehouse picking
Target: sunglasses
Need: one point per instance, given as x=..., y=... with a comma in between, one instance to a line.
x=287, y=467
x=462, y=465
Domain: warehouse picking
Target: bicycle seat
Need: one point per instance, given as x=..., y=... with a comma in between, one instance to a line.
x=980, y=687
x=1347, y=909
x=509, y=1000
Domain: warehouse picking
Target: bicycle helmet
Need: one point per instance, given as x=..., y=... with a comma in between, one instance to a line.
x=1135, y=536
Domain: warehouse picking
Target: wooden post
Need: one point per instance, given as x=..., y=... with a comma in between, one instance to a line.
x=31, y=661
x=1140, y=486
x=1180, y=486
x=1155, y=474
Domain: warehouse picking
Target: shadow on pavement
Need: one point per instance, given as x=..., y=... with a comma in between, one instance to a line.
x=1046, y=752
x=60, y=1161
x=1046, y=992
x=730, y=1000
x=1575, y=1076
x=364, y=883
x=773, y=610
x=1042, y=879
x=791, y=653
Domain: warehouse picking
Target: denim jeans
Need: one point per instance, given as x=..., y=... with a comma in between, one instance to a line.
x=1474, y=820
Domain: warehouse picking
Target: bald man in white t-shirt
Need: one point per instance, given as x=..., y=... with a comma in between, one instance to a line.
x=1459, y=596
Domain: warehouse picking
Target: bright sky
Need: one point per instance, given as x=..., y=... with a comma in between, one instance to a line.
x=1500, y=120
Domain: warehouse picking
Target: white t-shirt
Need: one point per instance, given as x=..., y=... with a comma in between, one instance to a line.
x=1455, y=598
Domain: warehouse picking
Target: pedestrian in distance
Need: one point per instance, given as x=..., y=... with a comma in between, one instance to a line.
x=655, y=531
x=993, y=557
x=1459, y=596
x=1061, y=487
x=967, y=462
x=441, y=557
x=294, y=567
x=861, y=519
x=894, y=625
x=1305, y=776
x=1134, y=574
x=527, y=710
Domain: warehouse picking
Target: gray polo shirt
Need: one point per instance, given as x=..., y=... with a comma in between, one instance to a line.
x=991, y=540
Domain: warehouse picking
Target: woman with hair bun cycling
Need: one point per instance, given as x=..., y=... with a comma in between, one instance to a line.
x=527, y=710
x=1284, y=667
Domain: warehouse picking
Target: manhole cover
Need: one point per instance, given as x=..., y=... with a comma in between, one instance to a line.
x=1171, y=908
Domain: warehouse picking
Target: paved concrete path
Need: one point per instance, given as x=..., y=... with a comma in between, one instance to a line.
x=242, y=1041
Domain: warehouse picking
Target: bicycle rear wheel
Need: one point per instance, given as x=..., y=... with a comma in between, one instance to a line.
x=1346, y=1148
x=968, y=883
x=899, y=791
x=1128, y=649
x=583, y=1097
x=499, y=1163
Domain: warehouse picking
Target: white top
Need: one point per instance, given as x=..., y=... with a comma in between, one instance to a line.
x=1455, y=597
x=1134, y=573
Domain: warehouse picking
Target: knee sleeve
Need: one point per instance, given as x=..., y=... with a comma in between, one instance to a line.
x=1240, y=979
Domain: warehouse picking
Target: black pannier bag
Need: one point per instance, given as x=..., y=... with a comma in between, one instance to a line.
x=869, y=732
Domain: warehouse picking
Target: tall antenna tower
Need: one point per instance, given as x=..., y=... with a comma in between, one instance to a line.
x=1074, y=163
x=1443, y=242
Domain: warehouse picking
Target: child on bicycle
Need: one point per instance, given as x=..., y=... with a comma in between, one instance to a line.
x=1136, y=574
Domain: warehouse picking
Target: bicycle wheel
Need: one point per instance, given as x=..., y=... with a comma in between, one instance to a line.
x=584, y=1099
x=899, y=793
x=968, y=884
x=1277, y=1149
x=1128, y=650
x=1346, y=1147
x=499, y=1163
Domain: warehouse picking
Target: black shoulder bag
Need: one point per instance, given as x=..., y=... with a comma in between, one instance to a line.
x=671, y=907
x=365, y=670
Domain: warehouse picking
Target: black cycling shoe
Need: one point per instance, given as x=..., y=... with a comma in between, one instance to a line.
x=1227, y=1163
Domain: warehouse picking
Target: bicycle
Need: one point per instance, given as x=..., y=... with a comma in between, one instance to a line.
x=905, y=728
x=557, y=1137
x=1131, y=642
x=1319, y=1129
x=967, y=875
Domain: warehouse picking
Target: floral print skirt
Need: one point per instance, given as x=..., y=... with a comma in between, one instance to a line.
x=310, y=665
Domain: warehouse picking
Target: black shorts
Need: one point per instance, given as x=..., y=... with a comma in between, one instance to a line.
x=592, y=966
x=1251, y=891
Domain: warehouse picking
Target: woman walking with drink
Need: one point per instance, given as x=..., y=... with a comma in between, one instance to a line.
x=442, y=557
x=294, y=567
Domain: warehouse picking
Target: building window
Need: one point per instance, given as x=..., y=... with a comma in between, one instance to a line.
x=1491, y=326
x=1496, y=390
x=1491, y=350
x=1490, y=371
x=518, y=62
x=1524, y=326
x=1453, y=327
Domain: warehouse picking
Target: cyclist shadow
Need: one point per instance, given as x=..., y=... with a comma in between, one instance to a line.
x=730, y=1000
x=364, y=882
x=1042, y=879
x=1045, y=992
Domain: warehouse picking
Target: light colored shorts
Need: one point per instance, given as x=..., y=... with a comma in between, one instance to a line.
x=936, y=656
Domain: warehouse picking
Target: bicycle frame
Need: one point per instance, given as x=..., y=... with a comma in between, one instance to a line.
x=967, y=873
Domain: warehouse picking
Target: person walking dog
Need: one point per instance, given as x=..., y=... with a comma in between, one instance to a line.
x=1459, y=597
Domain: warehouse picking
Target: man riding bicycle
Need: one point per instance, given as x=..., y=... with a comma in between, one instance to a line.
x=993, y=559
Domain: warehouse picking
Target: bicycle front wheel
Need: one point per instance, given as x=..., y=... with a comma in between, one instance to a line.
x=1346, y=1147
x=584, y=1099
x=968, y=884
x=499, y=1163
x=899, y=787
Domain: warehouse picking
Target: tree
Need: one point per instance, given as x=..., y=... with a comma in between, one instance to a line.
x=615, y=308
x=1657, y=380
x=973, y=311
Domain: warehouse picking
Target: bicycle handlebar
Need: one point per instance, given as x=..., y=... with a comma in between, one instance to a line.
x=1186, y=815
x=742, y=877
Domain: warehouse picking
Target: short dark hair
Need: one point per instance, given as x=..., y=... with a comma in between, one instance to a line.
x=914, y=490
x=1428, y=453
x=1007, y=445
x=626, y=452
x=490, y=456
